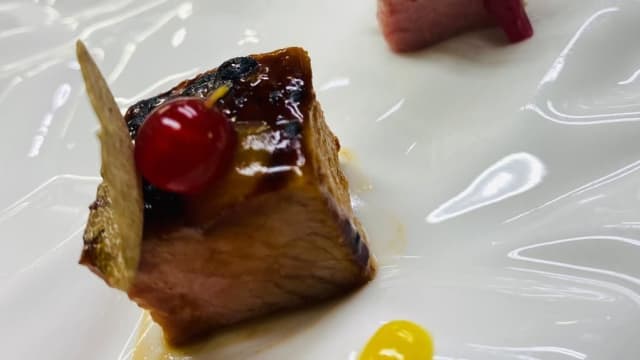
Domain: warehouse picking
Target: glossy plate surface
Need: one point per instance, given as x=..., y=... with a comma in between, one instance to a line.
x=499, y=184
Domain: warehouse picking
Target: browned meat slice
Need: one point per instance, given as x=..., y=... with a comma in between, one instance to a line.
x=413, y=24
x=409, y=25
x=277, y=232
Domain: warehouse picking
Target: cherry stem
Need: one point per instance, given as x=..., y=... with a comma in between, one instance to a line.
x=512, y=18
x=216, y=95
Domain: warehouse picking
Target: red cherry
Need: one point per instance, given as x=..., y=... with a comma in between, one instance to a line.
x=512, y=17
x=182, y=146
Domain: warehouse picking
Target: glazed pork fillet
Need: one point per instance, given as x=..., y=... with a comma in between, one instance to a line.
x=276, y=232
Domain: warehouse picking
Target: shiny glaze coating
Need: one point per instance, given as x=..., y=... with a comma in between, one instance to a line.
x=265, y=111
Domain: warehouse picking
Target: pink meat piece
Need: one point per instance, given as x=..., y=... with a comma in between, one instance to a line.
x=409, y=25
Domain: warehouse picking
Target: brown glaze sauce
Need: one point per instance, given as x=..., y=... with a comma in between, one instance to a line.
x=268, y=97
x=277, y=96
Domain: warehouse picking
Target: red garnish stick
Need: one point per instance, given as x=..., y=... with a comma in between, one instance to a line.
x=512, y=17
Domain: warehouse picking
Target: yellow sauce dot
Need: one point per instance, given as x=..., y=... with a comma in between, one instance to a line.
x=399, y=340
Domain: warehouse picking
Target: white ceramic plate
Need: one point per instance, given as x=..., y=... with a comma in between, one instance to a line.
x=498, y=184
